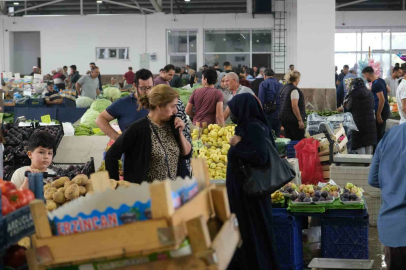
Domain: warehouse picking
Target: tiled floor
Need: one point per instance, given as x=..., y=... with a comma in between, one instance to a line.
x=376, y=249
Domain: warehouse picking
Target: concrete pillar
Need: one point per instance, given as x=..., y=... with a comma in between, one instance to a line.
x=315, y=50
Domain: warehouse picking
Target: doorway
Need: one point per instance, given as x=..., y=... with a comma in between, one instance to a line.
x=25, y=51
x=262, y=60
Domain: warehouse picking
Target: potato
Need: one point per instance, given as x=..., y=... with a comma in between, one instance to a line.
x=62, y=189
x=80, y=180
x=113, y=183
x=82, y=190
x=67, y=184
x=46, y=187
x=58, y=197
x=64, y=179
x=49, y=192
x=50, y=205
x=123, y=183
x=72, y=192
x=57, y=183
x=89, y=185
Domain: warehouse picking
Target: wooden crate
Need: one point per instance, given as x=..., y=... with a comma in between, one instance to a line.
x=324, y=155
x=165, y=231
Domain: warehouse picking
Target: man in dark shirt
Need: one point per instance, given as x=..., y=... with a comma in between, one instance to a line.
x=380, y=92
x=52, y=97
x=176, y=81
x=217, y=67
x=125, y=110
x=165, y=75
x=344, y=73
x=336, y=76
x=34, y=70
x=129, y=76
x=228, y=67
x=73, y=76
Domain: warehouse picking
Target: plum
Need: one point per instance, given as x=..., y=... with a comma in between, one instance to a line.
x=315, y=199
x=294, y=196
x=330, y=198
x=324, y=194
x=290, y=190
x=353, y=197
x=302, y=195
x=317, y=194
x=322, y=199
x=307, y=199
x=345, y=199
x=346, y=195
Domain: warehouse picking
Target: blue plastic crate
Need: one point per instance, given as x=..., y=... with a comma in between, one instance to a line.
x=23, y=103
x=36, y=102
x=345, y=238
x=288, y=239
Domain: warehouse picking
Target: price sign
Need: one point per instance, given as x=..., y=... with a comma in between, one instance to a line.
x=46, y=119
x=197, y=145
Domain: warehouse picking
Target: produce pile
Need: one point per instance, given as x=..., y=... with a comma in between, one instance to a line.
x=8, y=118
x=13, y=198
x=71, y=171
x=323, y=193
x=64, y=190
x=186, y=93
x=88, y=125
x=215, y=148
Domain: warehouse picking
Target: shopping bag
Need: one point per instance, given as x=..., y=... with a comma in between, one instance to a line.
x=307, y=152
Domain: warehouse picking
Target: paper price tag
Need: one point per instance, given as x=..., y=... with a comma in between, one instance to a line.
x=46, y=119
x=197, y=145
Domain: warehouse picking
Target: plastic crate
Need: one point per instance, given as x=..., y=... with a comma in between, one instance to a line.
x=291, y=154
x=36, y=101
x=374, y=205
x=345, y=238
x=23, y=103
x=288, y=239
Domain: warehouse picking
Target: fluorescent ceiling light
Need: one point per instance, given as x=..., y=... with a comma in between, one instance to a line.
x=16, y=3
x=187, y=0
x=99, y=2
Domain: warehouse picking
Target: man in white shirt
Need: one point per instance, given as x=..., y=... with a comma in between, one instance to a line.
x=401, y=97
x=392, y=81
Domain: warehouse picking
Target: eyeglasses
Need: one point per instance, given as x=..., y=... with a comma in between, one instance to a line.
x=145, y=88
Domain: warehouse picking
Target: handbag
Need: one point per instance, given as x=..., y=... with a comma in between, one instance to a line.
x=262, y=182
x=270, y=107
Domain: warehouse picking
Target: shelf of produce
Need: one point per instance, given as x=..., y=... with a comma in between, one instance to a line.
x=18, y=224
x=165, y=231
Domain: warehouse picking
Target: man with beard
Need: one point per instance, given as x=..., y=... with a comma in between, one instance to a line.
x=125, y=110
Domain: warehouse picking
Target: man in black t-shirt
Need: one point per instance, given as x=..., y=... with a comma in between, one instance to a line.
x=216, y=66
x=52, y=97
x=380, y=92
x=344, y=73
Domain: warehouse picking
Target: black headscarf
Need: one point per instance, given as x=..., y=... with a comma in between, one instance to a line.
x=246, y=108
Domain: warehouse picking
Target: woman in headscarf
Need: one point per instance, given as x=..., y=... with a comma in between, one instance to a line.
x=360, y=102
x=249, y=145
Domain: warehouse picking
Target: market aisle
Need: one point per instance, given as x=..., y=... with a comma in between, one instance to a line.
x=376, y=249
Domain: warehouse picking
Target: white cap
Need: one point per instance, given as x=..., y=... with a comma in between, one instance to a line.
x=34, y=67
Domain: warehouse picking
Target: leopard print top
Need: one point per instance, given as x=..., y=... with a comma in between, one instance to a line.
x=158, y=168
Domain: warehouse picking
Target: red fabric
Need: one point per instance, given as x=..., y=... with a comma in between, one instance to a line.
x=205, y=101
x=307, y=151
x=60, y=76
x=129, y=77
x=246, y=83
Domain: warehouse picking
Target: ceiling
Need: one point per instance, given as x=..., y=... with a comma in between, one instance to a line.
x=72, y=7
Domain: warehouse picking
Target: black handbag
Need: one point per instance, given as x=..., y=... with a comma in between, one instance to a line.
x=262, y=182
x=270, y=107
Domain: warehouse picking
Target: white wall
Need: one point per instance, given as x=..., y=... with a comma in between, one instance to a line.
x=371, y=19
x=315, y=43
x=26, y=48
x=67, y=40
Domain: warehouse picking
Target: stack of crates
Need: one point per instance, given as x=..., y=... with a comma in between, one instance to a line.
x=287, y=231
x=345, y=237
x=358, y=175
x=291, y=152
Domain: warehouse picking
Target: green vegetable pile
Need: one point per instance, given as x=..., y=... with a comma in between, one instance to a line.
x=8, y=118
x=89, y=118
x=112, y=93
x=83, y=130
x=186, y=93
x=100, y=105
x=323, y=113
x=395, y=115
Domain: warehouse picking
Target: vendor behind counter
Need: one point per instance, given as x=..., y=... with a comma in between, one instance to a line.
x=54, y=99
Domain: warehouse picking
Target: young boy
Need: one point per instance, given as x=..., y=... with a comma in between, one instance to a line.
x=41, y=152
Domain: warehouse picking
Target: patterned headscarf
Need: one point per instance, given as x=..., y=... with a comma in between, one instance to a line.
x=352, y=83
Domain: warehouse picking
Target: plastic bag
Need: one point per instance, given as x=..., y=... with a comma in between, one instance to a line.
x=311, y=244
x=307, y=151
x=314, y=121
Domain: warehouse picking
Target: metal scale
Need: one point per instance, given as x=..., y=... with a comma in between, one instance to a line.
x=342, y=159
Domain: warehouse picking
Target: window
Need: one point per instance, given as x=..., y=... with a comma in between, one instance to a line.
x=112, y=53
x=239, y=47
x=182, y=48
x=382, y=44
